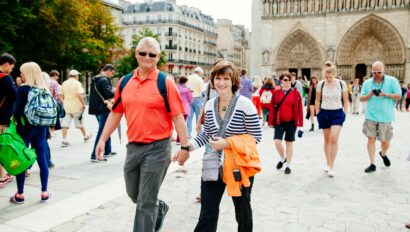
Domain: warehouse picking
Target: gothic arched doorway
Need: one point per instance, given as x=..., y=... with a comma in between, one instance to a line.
x=360, y=72
x=371, y=39
x=299, y=51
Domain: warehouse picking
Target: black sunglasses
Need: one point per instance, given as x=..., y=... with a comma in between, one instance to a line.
x=285, y=80
x=151, y=55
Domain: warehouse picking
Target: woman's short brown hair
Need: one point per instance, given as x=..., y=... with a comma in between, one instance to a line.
x=183, y=80
x=285, y=74
x=226, y=67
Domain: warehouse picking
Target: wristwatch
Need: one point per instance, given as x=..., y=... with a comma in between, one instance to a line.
x=186, y=148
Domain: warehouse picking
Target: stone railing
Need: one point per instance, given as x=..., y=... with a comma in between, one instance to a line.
x=278, y=8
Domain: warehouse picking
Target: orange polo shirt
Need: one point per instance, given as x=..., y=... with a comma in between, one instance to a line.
x=144, y=108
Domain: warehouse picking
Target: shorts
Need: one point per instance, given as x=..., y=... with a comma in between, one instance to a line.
x=287, y=128
x=328, y=118
x=78, y=120
x=383, y=131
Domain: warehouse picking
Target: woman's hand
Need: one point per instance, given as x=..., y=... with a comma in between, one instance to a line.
x=218, y=143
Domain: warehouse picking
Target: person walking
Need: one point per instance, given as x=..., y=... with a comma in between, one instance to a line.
x=408, y=98
x=35, y=136
x=246, y=85
x=380, y=92
x=332, y=103
x=311, y=112
x=227, y=118
x=8, y=92
x=266, y=93
x=256, y=98
x=186, y=97
x=74, y=106
x=285, y=116
x=149, y=148
x=101, y=95
x=399, y=103
x=356, y=88
x=197, y=85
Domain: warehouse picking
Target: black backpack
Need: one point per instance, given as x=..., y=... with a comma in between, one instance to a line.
x=160, y=84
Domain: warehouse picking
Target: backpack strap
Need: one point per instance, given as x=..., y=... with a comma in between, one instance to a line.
x=321, y=93
x=123, y=83
x=161, y=83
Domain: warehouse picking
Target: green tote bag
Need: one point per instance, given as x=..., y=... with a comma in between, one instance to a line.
x=15, y=157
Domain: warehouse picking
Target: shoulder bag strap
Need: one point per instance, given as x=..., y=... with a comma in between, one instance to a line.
x=223, y=123
x=283, y=99
x=98, y=92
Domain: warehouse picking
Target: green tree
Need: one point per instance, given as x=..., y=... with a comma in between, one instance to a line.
x=129, y=62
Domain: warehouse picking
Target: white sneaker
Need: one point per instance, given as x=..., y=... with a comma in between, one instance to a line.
x=331, y=173
x=327, y=169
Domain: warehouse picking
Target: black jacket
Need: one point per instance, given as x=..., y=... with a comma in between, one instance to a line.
x=104, y=87
x=8, y=90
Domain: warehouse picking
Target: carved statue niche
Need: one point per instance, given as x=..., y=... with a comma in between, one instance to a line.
x=289, y=7
x=372, y=4
x=311, y=6
x=282, y=7
x=330, y=54
x=303, y=7
x=382, y=3
x=347, y=4
x=332, y=5
x=340, y=5
x=265, y=57
x=356, y=4
x=317, y=6
x=364, y=4
x=389, y=3
x=275, y=7
x=266, y=8
x=296, y=7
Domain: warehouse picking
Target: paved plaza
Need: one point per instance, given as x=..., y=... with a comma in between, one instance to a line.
x=91, y=197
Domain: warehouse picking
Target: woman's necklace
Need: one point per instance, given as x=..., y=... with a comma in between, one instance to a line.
x=223, y=108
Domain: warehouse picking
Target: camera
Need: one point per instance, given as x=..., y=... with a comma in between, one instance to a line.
x=237, y=175
x=376, y=92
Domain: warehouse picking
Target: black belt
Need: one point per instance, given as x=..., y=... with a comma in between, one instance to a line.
x=144, y=143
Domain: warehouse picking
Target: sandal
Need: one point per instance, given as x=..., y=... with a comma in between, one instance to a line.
x=17, y=199
x=5, y=180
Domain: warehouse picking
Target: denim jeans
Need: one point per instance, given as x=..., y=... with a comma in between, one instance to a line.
x=102, y=118
x=195, y=109
x=36, y=137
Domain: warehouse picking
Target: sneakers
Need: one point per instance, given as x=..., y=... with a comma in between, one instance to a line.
x=17, y=199
x=111, y=154
x=88, y=137
x=386, y=160
x=162, y=211
x=45, y=196
x=327, y=169
x=280, y=164
x=370, y=169
x=95, y=160
x=287, y=170
x=65, y=144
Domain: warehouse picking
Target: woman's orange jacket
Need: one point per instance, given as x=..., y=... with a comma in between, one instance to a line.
x=244, y=156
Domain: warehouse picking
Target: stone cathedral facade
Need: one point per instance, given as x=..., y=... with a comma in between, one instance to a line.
x=301, y=35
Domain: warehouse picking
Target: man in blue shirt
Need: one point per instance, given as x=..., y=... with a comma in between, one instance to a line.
x=380, y=92
x=247, y=88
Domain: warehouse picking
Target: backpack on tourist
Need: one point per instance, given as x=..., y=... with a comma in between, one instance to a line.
x=41, y=108
x=15, y=156
x=266, y=96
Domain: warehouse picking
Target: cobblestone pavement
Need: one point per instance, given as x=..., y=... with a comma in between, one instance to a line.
x=306, y=200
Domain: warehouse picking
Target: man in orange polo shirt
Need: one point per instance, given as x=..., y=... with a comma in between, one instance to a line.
x=149, y=131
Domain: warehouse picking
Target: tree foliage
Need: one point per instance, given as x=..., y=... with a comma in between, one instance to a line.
x=129, y=62
x=59, y=34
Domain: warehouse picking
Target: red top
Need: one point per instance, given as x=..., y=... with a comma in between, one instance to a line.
x=291, y=108
x=266, y=88
x=144, y=108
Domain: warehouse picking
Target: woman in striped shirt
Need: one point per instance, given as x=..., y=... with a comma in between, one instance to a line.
x=244, y=120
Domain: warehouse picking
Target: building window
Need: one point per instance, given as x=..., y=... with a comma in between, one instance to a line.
x=134, y=19
x=159, y=18
x=147, y=19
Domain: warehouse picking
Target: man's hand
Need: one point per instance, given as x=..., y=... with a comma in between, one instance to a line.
x=182, y=156
x=99, y=150
x=218, y=143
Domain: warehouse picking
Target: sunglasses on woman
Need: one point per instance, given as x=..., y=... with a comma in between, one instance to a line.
x=285, y=80
x=151, y=55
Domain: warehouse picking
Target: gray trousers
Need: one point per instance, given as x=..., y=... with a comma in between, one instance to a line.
x=144, y=170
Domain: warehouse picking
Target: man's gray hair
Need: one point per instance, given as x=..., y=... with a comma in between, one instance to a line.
x=378, y=63
x=148, y=42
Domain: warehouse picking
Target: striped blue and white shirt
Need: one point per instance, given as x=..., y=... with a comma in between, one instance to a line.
x=244, y=120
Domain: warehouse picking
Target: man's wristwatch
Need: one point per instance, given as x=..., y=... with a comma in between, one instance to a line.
x=186, y=148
